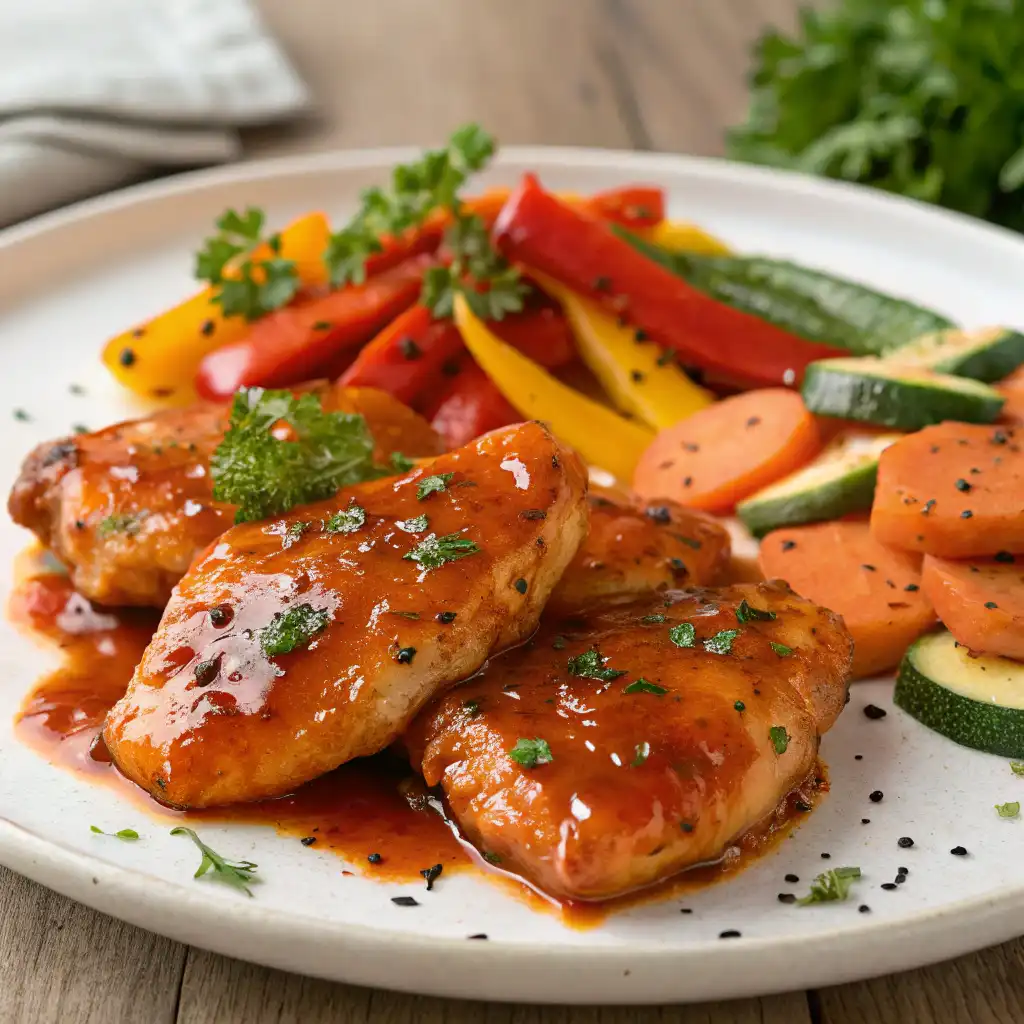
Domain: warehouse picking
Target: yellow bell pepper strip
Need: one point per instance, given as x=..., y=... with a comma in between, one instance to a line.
x=158, y=358
x=681, y=236
x=637, y=378
x=602, y=437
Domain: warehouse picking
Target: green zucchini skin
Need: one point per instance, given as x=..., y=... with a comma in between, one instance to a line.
x=987, y=355
x=971, y=723
x=835, y=387
x=808, y=303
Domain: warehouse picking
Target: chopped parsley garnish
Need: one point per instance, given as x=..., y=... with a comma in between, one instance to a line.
x=432, y=552
x=831, y=886
x=649, y=619
x=296, y=530
x=721, y=642
x=348, y=520
x=492, y=858
x=643, y=751
x=780, y=738
x=415, y=525
x=293, y=628
x=254, y=286
x=1017, y=767
x=747, y=613
x=643, y=686
x=590, y=665
x=558, y=643
x=119, y=523
x=265, y=475
x=127, y=834
x=236, y=873
x=780, y=649
x=530, y=753
x=401, y=463
x=683, y=635
x=472, y=707
x=1008, y=810
x=416, y=190
x=433, y=485
x=432, y=874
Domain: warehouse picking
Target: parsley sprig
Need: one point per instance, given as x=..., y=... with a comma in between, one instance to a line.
x=293, y=628
x=126, y=834
x=265, y=475
x=530, y=753
x=590, y=665
x=254, y=286
x=432, y=552
x=831, y=886
x=236, y=873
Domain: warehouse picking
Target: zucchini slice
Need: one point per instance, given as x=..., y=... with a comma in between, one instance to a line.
x=989, y=354
x=840, y=480
x=907, y=398
x=976, y=702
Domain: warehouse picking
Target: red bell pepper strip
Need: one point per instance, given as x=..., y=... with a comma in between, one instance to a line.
x=636, y=206
x=541, y=332
x=471, y=406
x=293, y=343
x=587, y=256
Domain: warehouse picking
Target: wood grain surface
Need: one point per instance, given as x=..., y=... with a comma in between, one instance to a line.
x=644, y=74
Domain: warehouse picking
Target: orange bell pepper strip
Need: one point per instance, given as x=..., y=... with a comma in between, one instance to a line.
x=158, y=358
x=602, y=437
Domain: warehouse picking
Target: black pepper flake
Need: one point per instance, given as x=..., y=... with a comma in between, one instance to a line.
x=826, y=856
x=685, y=910
x=900, y=879
x=431, y=874
x=788, y=545
x=787, y=897
x=641, y=335
x=876, y=796
x=409, y=348
x=308, y=840
x=206, y=328
x=889, y=886
x=521, y=585
x=661, y=514
x=792, y=879
x=451, y=368
x=636, y=376
x=76, y=389
x=687, y=481
x=404, y=901
x=20, y=414
x=904, y=843
x=864, y=908
x=322, y=325
x=479, y=935
x=405, y=655
x=999, y=437
x=374, y=858
x=870, y=568
x=206, y=672
x=740, y=706
x=903, y=871
x=686, y=826
x=533, y=513
x=126, y=357
x=928, y=506
x=445, y=617
x=555, y=463
x=1004, y=556
x=858, y=757
x=874, y=712
x=865, y=821
x=730, y=934
x=602, y=284
x=802, y=806
x=991, y=604
x=219, y=615
x=753, y=421
x=959, y=851
x=962, y=485
x=911, y=587
x=967, y=514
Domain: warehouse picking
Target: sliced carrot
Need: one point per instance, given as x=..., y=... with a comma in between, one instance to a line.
x=875, y=589
x=729, y=450
x=1012, y=389
x=980, y=603
x=955, y=490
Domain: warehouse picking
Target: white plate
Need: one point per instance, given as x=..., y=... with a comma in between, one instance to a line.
x=70, y=279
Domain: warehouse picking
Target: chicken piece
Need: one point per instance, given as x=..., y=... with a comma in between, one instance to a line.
x=635, y=547
x=293, y=645
x=660, y=746
x=153, y=475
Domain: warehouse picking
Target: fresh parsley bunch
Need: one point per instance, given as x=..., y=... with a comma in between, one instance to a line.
x=924, y=98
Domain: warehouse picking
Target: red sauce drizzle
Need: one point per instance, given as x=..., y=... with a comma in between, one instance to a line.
x=373, y=806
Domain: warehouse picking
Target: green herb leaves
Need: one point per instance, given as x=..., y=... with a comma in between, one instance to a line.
x=432, y=552
x=746, y=613
x=590, y=665
x=417, y=524
x=779, y=737
x=683, y=635
x=293, y=628
x=127, y=834
x=831, y=886
x=253, y=287
x=721, y=642
x=780, y=649
x=348, y=520
x=643, y=686
x=266, y=475
x=1009, y=810
x=236, y=873
x=642, y=752
x=1017, y=767
x=401, y=463
x=119, y=523
x=530, y=753
x=435, y=484
x=651, y=619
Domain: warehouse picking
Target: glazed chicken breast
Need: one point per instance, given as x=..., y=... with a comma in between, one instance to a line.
x=630, y=741
x=635, y=547
x=295, y=644
x=152, y=477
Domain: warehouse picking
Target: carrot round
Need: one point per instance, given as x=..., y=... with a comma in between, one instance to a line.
x=954, y=490
x=980, y=603
x=875, y=589
x=729, y=450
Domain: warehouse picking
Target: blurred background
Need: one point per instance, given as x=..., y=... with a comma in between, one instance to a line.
x=924, y=97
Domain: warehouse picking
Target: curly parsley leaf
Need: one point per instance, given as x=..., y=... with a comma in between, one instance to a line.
x=831, y=886
x=435, y=484
x=1017, y=767
x=120, y=523
x=1009, y=810
x=590, y=665
x=747, y=613
x=780, y=738
x=127, y=834
x=721, y=642
x=643, y=686
x=293, y=628
x=236, y=873
x=530, y=753
x=417, y=524
x=348, y=520
x=401, y=463
x=780, y=649
x=641, y=753
x=432, y=552
x=266, y=475
x=683, y=635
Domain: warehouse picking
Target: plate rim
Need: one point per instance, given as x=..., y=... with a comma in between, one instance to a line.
x=755, y=966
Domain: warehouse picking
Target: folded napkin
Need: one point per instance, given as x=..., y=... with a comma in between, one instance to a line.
x=96, y=93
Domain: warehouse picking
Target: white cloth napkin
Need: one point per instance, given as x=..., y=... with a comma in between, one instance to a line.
x=95, y=93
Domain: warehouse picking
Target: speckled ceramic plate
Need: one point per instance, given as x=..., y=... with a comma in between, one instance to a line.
x=69, y=280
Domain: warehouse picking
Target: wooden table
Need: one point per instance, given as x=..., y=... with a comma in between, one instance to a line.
x=641, y=74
